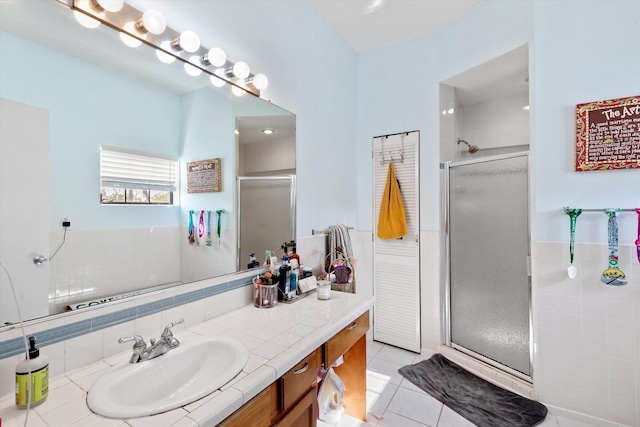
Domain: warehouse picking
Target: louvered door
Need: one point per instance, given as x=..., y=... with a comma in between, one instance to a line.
x=396, y=271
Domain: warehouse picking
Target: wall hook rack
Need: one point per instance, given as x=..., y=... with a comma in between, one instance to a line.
x=391, y=158
x=567, y=209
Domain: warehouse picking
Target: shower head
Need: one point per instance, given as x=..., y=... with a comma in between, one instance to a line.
x=472, y=148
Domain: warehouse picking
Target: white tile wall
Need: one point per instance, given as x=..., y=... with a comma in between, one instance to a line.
x=90, y=348
x=97, y=263
x=587, y=335
x=499, y=122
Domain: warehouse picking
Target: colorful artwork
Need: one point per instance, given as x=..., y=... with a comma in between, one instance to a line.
x=204, y=176
x=608, y=134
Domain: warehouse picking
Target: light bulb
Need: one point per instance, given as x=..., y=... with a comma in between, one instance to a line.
x=190, y=69
x=152, y=21
x=84, y=20
x=218, y=82
x=237, y=91
x=215, y=57
x=188, y=41
x=241, y=70
x=164, y=56
x=260, y=81
x=108, y=5
x=126, y=38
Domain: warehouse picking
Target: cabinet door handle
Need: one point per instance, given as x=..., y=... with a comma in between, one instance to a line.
x=301, y=370
x=352, y=326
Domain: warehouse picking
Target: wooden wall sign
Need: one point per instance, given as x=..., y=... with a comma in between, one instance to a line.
x=203, y=176
x=608, y=134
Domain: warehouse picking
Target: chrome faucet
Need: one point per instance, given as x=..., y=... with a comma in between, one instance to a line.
x=165, y=343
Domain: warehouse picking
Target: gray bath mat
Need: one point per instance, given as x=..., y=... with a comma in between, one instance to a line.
x=479, y=401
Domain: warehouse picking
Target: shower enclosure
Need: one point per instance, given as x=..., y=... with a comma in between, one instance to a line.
x=486, y=273
x=266, y=208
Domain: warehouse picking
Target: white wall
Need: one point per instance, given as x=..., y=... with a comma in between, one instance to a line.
x=584, y=331
x=494, y=123
x=598, y=67
x=24, y=170
x=268, y=157
x=312, y=73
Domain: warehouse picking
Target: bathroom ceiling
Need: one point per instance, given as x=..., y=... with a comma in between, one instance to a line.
x=368, y=25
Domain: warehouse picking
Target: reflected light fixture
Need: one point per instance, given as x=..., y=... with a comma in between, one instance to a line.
x=107, y=5
x=84, y=20
x=215, y=56
x=162, y=54
x=218, y=81
x=126, y=38
x=152, y=22
x=238, y=91
x=268, y=131
x=188, y=41
x=192, y=68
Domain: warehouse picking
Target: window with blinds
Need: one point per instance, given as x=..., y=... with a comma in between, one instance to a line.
x=136, y=177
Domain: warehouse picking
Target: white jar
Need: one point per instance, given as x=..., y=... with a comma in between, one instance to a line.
x=324, y=289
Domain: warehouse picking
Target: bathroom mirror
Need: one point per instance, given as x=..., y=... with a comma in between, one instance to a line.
x=100, y=92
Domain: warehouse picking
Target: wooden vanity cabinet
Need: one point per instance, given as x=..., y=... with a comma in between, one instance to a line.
x=351, y=343
x=256, y=413
x=291, y=401
x=303, y=414
x=295, y=384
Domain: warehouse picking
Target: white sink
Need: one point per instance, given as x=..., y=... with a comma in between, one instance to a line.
x=169, y=381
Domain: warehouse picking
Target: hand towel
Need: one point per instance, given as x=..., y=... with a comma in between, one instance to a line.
x=392, y=221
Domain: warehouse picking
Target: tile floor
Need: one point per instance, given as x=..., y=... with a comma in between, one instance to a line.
x=392, y=401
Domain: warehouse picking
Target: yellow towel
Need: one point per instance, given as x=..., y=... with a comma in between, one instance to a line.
x=392, y=222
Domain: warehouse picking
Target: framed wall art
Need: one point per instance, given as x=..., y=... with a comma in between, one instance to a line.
x=203, y=176
x=608, y=134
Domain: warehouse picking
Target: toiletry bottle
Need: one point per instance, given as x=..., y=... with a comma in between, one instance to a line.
x=39, y=367
x=252, y=261
x=284, y=281
x=294, y=276
x=293, y=254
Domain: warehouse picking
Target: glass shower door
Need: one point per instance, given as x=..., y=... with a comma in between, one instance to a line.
x=488, y=241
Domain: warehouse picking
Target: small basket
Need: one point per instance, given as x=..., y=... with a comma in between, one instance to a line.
x=343, y=270
x=264, y=296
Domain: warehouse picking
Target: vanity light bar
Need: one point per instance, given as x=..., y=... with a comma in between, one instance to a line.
x=169, y=42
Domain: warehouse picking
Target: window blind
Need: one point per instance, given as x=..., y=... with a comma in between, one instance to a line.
x=124, y=168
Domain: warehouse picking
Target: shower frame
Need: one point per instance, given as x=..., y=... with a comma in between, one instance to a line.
x=445, y=266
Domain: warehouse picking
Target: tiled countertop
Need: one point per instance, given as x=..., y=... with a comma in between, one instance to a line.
x=277, y=338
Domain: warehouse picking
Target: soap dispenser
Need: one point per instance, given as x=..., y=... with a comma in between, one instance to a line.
x=39, y=368
x=253, y=263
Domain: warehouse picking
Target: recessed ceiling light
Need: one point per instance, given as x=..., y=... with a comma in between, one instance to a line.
x=268, y=131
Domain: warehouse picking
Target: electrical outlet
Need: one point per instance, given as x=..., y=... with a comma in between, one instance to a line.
x=66, y=222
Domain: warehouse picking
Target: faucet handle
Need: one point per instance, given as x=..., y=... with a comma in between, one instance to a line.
x=137, y=338
x=167, y=329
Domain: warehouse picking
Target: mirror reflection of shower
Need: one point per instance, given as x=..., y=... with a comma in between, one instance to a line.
x=472, y=148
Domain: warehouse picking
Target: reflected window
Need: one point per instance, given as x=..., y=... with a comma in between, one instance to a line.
x=137, y=178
